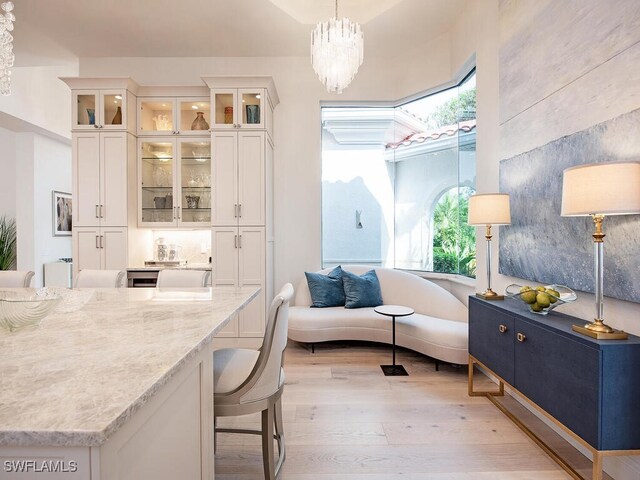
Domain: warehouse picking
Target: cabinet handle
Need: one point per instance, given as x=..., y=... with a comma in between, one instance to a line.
x=502, y=328
x=101, y=211
x=239, y=210
x=239, y=241
x=235, y=210
x=97, y=212
x=235, y=241
x=174, y=213
x=97, y=242
x=178, y=212
x=101, y=241
x=521, y=337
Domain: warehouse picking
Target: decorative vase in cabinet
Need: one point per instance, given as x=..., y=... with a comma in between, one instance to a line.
x=199, y=123
x=117, y=118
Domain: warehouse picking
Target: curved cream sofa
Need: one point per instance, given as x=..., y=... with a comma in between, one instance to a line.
x=438, y=329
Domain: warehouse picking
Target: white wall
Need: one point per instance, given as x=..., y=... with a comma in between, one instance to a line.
x=40, y=98
x=8, y=177
x=297, y=165
x=42, y=165
x=35, y=117
x=566, y=74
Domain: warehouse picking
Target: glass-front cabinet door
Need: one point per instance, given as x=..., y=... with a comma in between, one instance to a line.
x=250, y=105
x=156, y=116
x=194, y=116
x=224, y=108
x=99, y=109
x=112, y=108
x=195, y=182
x=237, y=108
x=86, y=104
x=156, y=174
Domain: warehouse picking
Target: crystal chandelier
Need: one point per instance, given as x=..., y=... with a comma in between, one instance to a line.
x=337, y=51
x=6, y=47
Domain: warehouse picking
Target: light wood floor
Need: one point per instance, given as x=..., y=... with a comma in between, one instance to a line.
x=344, y=420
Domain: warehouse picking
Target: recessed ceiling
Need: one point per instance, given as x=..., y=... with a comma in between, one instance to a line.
x=55, y=29
x=313, y=11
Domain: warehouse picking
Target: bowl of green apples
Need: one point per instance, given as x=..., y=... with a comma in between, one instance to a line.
x=543, y=298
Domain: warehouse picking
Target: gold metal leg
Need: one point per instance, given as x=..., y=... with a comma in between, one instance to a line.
x=472, y=392
x=597, y=466
x=538, y=441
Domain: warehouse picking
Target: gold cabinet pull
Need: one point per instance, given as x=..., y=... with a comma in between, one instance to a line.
x=502, y=328
x=521, y=337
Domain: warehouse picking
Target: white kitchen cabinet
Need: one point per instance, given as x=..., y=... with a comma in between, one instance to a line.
x=235, y=108
x=102, y=104
x=174, y=176
x=242, y=197
x=239, y=177
x=173, y=116
x=99, y=109
x=239, y=259
x=100, y=178
x=100, y=248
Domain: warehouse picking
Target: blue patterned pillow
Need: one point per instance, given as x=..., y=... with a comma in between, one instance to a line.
x=326, y=290
x=361, y=291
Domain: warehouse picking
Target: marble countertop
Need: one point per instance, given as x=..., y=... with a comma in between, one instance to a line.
x=77, y=377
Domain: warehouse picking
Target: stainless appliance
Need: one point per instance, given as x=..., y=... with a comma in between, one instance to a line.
x=142, y=278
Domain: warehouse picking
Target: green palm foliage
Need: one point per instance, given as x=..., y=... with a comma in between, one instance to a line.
x=7, y=243
x=454, y=242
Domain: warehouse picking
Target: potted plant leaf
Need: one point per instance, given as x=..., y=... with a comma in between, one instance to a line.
x=7, y=243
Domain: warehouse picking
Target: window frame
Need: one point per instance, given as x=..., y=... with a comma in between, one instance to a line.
x=466, y=73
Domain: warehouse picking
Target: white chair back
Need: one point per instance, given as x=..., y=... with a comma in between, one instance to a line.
x=182, y=278
x=267, y=375
x=16, y=278
x=100, y=278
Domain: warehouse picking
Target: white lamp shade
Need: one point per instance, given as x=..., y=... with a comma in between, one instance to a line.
x=611, y=188
x=489, y=209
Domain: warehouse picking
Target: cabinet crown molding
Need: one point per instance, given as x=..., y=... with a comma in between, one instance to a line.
x=101, y=83
x=245, y=81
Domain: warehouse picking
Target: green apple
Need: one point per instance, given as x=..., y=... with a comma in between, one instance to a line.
x=543, y=299
x=528, y=297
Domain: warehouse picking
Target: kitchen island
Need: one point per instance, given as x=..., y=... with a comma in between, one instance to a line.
x=120, y=387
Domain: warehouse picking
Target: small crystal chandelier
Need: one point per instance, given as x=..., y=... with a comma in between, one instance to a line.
x=6, y=47
x=337, y=51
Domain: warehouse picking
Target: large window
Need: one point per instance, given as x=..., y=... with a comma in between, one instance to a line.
x=396, y=183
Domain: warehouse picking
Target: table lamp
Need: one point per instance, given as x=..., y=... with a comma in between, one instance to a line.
x=489, y=209
x=598, y=190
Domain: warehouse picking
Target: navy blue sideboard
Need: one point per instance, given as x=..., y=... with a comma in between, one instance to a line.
x=592, y=387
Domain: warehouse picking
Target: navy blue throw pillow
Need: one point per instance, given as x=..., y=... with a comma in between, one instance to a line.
x=326, y=290
x=361, y=291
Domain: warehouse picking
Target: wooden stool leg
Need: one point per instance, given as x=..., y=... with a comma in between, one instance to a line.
x=279, y=429
x=215, y=434
x=267, y=443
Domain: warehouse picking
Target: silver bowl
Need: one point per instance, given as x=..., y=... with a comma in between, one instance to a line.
x=19, y=308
